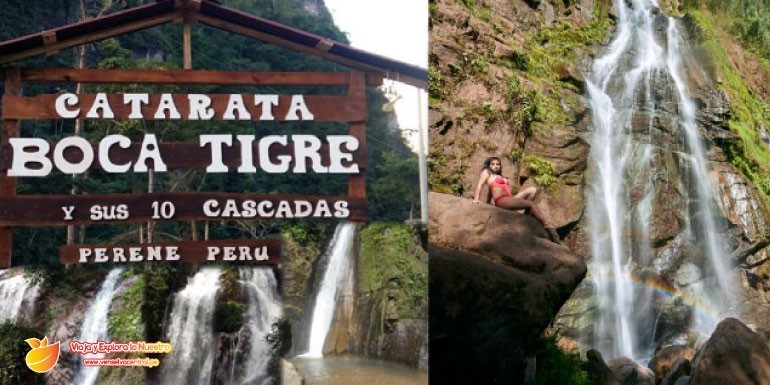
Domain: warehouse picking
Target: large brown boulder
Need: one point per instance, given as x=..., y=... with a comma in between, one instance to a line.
x=597, y=369
x=496, y=282
x=629, y=372
x=664, y=358
x=733, y=355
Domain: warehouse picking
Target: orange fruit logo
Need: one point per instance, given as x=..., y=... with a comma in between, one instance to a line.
x=43, y=357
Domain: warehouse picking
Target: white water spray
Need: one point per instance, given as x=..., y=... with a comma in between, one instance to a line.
x=191, y=332
x=17, y=295
x=338, y=255
x=264, y=309
x=95, y=326
x=620, y=194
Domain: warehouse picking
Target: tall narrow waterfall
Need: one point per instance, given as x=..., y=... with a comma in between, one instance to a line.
x=264, y=308
x=634, y=163
x=338, y=256
x=17, y=295
x=191, y=331
x=95, y=325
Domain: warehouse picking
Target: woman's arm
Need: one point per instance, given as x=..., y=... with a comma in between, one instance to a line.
x=483, y=178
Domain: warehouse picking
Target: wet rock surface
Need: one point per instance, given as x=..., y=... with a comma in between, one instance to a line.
x=733, y=355
x=629, y=372
x=496, y=282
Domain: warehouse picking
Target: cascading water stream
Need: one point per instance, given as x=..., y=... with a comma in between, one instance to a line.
x=338, y=255
x=264, y=309
x=95, y=326
x=191, y=332
x=717, y=296
x=17, y=296
x=621, y=183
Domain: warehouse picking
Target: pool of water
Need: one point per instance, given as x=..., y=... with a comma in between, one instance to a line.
x=350, y=370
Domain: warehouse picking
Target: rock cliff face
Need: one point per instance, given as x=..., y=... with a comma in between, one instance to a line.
x=381, y=306
x=496, y=282
x=507, y=80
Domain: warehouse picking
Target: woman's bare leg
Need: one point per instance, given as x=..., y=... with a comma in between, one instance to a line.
x=512, y=203
x=528, y=193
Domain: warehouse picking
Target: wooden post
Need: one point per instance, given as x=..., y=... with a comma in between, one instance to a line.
x=357, y=129
x=8, y=184
x=187, y=45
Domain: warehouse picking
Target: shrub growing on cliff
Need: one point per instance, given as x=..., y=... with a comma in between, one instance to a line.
x=554, y=366
x=394, y=268
x=228, y=316
x=541, y=170
x=13, y=349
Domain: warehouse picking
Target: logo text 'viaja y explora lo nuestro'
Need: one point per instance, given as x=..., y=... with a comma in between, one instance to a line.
x=43, y=357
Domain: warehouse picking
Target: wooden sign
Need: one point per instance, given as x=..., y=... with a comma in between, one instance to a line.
x=217, y=153
x=258, y=107
x=179, y=155
x=242, y=251
x=59, y=210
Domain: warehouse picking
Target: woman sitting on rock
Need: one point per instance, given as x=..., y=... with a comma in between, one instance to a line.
x=500, y=191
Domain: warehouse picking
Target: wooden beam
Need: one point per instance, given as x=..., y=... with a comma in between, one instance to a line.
x=51, y=210
x=90, y=38
x=10, y=130
x=186, y=156
x=325, y=108
x=357, y=89
x=120, y=76
x=49, y=37
x=237, y=251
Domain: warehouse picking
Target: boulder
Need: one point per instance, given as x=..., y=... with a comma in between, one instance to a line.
x=680, y=368
x=733, y=355
x=597, y=369
x=629, y=372
x=496, y=283
x=664, y=358
x=290, y=375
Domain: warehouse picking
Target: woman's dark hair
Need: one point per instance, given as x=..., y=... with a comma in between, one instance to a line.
x=488, y=161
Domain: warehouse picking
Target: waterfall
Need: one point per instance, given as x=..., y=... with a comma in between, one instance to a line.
x=95, y=326
x=191, y=332
x=621, y=192
x=338, y=256
x=264, y=309
x=17, y=296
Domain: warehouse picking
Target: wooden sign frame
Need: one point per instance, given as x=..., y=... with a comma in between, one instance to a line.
x=17, y=107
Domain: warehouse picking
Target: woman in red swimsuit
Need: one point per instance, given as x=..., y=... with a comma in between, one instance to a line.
x=500, y=190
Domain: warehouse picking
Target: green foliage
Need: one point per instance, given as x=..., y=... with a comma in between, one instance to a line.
x=228, y=316
x=748, y=112
x=436, y=85
x=515, y=154
x=159, y=283
x=394, y=268
x=541, y=170
x=471, y=64
x=749, y=20
x=553, y=46
x=13, y=349
x=126, y=324
x=441, y=178
x=398, y=186
x=301, y=242
x=555, y=366
x=481, y=11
